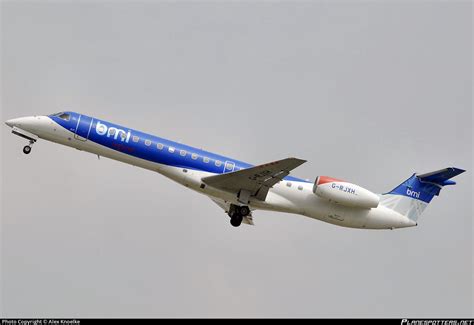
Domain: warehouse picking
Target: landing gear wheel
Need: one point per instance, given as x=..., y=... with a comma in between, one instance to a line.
x=26, y=150
x=244, y=211
x=236, y=220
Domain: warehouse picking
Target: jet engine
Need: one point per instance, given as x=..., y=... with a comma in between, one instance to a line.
x=341, y=192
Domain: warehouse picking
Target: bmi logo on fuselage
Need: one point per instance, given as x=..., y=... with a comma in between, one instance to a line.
x=114, y=132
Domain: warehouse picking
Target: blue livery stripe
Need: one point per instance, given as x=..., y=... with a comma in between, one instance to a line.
x=150, y=147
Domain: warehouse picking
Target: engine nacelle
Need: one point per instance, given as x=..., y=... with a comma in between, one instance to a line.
x=344, y=193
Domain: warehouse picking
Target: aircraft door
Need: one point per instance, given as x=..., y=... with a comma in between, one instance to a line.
x=83, y=127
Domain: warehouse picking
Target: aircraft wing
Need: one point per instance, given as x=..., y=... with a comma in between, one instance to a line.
x=254, y=181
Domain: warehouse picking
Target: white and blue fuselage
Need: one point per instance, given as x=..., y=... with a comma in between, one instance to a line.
x=189, y=166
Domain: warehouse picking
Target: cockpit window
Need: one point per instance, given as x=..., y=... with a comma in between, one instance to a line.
x=63, y=116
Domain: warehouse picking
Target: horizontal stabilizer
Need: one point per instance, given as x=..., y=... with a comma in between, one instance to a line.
x=441, y=177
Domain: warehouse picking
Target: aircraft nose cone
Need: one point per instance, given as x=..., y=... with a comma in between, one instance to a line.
x=10, y=123
x=27, y=123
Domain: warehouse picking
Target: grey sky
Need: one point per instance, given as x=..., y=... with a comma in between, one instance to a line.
x=367, y=92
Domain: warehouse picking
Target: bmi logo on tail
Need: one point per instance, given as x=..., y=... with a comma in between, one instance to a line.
x=413, y=193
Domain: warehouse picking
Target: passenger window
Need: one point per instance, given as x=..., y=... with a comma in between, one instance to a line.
x=111, y=131
x=65, y=116
x=205, y=159
x=182, y=152
x=123, y=135
x=159, y=146
x=102, y=128
x=194, y=156
x=288, y=184
x=300, y=188
x=228, y=166
x=218, y=163
x=171, y=149
x=147, y=142
x=135, y=138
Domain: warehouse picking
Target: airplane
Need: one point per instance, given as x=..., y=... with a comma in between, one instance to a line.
x=237, y=187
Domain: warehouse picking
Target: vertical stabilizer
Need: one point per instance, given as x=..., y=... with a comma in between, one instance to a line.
x=412, y=196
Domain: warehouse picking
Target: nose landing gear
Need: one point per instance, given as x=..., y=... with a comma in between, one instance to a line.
x=26, y=135
x=27, y=148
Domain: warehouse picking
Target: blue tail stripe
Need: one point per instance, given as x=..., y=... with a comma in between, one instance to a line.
x=424, y=187
x=415, y=189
